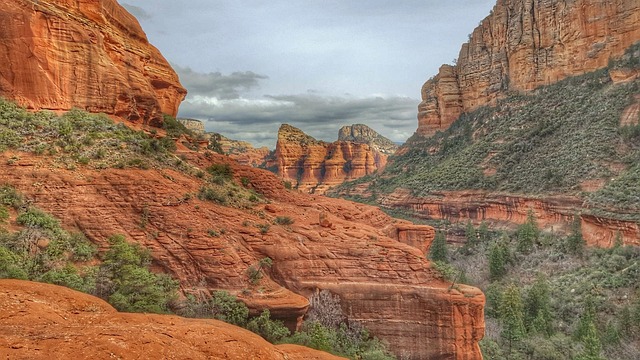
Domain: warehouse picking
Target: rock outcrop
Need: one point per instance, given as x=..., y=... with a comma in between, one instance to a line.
x=314, y=166
x=43, y=321
x=196, y=126
x=553, y=213
x=524, y=44
x=363, y=134
x=354, y=250
x=93, y=55
x=241, y=151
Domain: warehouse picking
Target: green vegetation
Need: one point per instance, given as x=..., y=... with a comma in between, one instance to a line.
x=78, y=138
x=326, y=328
x=554, y=301
x=438, y=249
x=549, y=141
x=283, y=220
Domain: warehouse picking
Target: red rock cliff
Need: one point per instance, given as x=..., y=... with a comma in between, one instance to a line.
x=354, y=250
x=314, y=166
x=93, y=55
x=524, y=44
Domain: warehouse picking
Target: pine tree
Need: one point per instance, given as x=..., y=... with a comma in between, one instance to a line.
x=528, y=233
x=575, y=242
x=470, y=235
x=498, y=259
x=438, y=250
x=512, y=315
x=537, y=306
x=483, y=232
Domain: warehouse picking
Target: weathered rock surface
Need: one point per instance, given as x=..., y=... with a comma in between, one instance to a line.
x=524, y=44
x=354, y=250
x=363, y=134
x=553, y=213
x=241, y=151
x=194, y=125
x=93, y=55
x=314, y=166
x=43, y=321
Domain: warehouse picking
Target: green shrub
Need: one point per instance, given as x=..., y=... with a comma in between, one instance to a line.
x=126, y=282
x=271, y=330
x=212, y=194
x=284, y=220
x=11, y=265
x=4, y=214
x=220, y=172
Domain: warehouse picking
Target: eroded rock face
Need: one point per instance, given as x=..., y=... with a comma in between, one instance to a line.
x=554, y=213
x=354, y=250
x=194, y=125
x=524, y=44
x=241, y=151
x=43, y=321
x=314, y=166
x=361, y=133
x=93, y=55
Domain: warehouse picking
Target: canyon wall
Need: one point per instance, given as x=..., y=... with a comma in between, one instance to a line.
x=353, y=250
x=314, y=166
x=92, y=55
x=524, y=44
x=553, y=213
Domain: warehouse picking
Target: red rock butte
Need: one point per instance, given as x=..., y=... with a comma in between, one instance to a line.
x=92, y=55
x=524, y=44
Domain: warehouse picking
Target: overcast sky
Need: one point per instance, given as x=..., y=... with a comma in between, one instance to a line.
x=252, y=65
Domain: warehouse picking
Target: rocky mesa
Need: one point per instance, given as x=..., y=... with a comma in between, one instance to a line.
x=522, y=45
x=93, y=55
x=314, y=166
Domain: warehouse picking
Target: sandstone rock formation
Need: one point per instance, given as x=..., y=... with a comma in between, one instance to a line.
x=353, y=250
x=524, y=44
x=194, y=125
x=314, y=166
x=42, y=321
x=553, y=213
x=241, y=151
x=93, y=55
x=363, y=134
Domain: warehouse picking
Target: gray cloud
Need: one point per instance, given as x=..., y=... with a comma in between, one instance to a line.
x=258, y=120
x=138, y=12
x=215, y=84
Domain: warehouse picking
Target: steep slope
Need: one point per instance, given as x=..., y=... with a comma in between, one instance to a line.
x=561, y=150
x=361, y=133
x=42, y=321
x=314, y=166
x=522, y=45
x=93, y=55
x=565, y=149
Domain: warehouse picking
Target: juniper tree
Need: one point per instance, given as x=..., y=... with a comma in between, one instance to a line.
x=438, y=250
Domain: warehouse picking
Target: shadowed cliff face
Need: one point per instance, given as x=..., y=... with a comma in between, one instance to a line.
x=314, y=166
x=93, y=55
x=524, y=44
x=374, y=263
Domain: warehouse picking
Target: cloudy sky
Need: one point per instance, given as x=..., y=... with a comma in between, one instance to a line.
x=251, y=65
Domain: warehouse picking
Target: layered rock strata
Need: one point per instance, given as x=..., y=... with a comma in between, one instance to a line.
x=314, y=166
x=354, y=250
x=524, y=44
x=92, y=55
x=554, y=213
